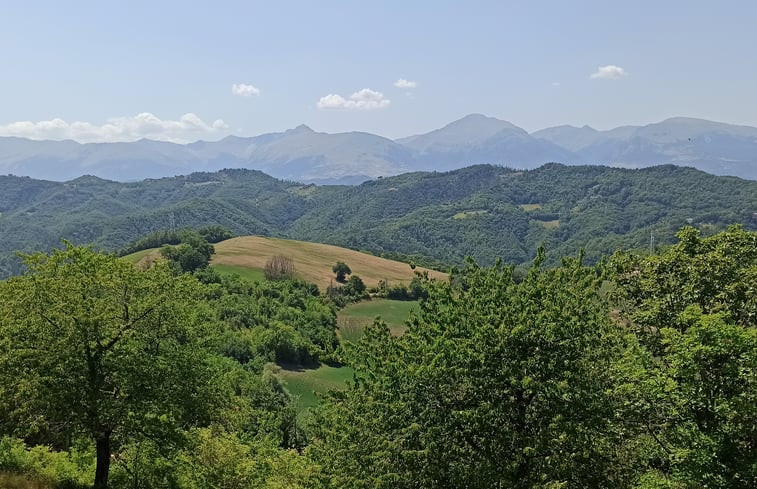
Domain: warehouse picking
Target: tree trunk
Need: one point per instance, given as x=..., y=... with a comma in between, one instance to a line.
x=103, y=460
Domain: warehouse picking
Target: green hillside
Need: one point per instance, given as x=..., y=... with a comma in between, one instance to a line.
x=509, y=213
x=487, y=212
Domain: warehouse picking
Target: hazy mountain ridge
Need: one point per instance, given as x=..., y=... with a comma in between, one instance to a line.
x=304, y=155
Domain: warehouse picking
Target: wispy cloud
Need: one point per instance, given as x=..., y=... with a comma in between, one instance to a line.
x=365, y=99
x=244, y=90
x=402, y=83
x=187, y=128
x=555, y=83
x=609, y=72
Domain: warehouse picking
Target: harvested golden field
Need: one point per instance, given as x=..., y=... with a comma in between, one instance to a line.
x=313, y=261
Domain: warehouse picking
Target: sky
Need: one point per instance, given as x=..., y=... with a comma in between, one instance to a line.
x=182, y=71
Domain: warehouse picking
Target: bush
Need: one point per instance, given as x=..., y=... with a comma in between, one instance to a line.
x=353, y=290
x=219, y=459
x=72, y=469
x=215, y=234
x=355, y=287
x=341, y=270
x=398, y=293
x=279, y=267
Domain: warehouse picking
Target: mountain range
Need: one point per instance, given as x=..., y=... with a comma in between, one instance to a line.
x=307, y=156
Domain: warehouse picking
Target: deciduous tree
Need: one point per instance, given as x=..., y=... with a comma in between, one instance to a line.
x=91, y=345
x=341, y=270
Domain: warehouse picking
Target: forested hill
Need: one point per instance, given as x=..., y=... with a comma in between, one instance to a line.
x=482, y=211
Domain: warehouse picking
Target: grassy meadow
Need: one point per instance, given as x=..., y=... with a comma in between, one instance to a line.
x=305, y=384
x=354, y=318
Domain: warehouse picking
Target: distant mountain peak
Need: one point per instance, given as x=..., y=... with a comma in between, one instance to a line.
x=477, y=116
x=301, y=129
x=481, y=119
x=470, y=130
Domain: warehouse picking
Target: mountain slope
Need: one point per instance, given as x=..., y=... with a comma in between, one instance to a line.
x=305, y=155
x=477, y=139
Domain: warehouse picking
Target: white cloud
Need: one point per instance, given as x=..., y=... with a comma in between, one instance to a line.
x=402, y=83
x=609, y=72
x=187, y=128
x=555, y=84
x=365, y=99
x=243, y=90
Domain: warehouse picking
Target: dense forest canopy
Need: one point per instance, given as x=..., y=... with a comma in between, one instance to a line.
x=486, y=212
x=637, y=372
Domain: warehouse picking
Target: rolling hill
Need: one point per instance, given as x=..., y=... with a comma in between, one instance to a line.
x=484, y=211
x=313, y=261
x=247, y=255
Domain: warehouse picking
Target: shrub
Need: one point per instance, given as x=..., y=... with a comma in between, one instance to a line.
x=279, y=267
x=64, y=470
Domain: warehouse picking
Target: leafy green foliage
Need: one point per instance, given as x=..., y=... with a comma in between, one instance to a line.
x=71, y=469
x=191, y=255
x=341, y=270
x=495, y=384
x=640, y=372
x=353, y=290
x=716, y=273
x=282, y=321
x=713, y=365
x=694, y=307
x=211, y=234
x=355, y=286
x=92, y=345
x=599, y=209
x=215, y=234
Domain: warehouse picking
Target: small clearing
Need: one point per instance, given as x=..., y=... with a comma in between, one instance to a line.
x=469, y=214
x=530, y=207
x=550, y=224
x=306, y=383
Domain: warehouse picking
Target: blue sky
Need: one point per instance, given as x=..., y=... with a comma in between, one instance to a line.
x=103, y=63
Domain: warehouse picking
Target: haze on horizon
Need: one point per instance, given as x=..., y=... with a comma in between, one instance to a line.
x=173, y=71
